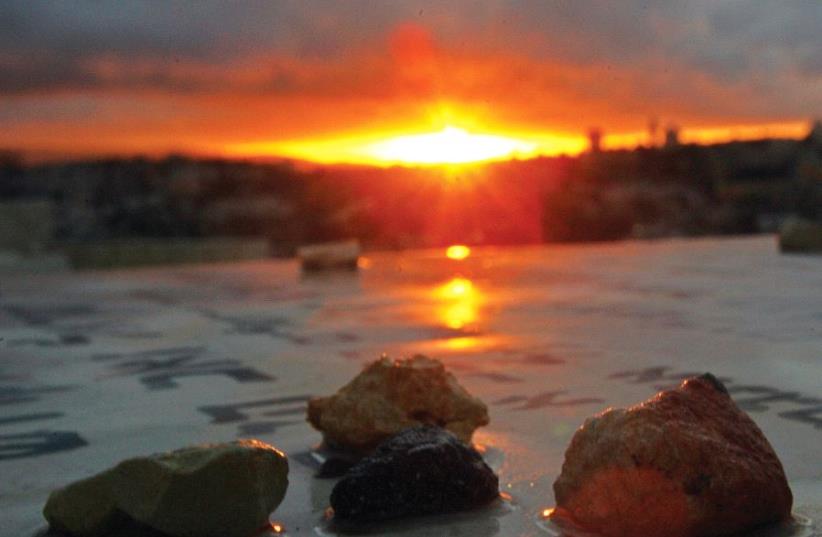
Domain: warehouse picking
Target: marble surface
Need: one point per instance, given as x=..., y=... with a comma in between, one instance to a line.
x=99, y=366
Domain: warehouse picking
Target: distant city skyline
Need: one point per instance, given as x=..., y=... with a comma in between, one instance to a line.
x=321, y=80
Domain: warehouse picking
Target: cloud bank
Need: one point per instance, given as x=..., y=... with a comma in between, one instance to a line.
x=320, y=66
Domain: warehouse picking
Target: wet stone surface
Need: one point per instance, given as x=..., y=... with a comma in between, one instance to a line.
x=97, y=367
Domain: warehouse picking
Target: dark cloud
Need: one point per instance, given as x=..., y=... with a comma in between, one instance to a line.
x=206, y=29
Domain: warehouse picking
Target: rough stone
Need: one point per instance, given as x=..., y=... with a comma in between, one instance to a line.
x=423, y=470
x=220, y=490
x=392, y=395
x=685, y=463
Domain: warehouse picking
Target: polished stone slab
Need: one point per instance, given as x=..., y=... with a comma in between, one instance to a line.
x=99, y=366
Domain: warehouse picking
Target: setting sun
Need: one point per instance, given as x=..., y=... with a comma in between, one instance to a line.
x=422, y=145
x=451, y=145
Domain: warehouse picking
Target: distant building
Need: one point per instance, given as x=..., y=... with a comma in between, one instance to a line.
x=815, y=136
x=595, y=140
x=671, y=136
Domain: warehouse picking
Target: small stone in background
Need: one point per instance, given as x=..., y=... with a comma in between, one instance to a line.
x=800, y=235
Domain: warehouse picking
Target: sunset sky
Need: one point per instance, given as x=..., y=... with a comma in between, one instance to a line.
x=331, y=80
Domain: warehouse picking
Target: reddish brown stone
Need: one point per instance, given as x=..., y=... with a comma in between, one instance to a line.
x=392, y=395
x=685, y=463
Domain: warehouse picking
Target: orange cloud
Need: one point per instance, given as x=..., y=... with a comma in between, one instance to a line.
x=337, y=74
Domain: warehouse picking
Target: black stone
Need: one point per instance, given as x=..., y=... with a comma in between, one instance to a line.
x=422, y=470
x=334, y=467
x=715, y=382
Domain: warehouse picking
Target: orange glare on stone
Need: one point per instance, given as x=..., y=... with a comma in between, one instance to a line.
x=631, y=502
x=459, y=303
x=462, y=343
x=457, y=252
x=457, y=288
x=459, y=315
x=546, y=513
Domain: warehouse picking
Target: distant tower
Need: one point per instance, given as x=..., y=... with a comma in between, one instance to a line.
x=671, y=136
x=653, y=132
x=815, y=136
x=595, y=140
